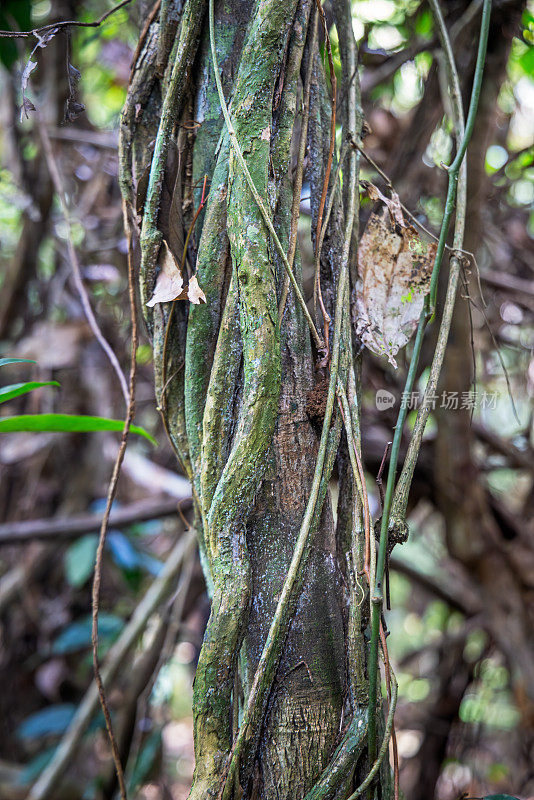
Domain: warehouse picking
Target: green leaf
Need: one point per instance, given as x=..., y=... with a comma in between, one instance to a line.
x=80, y=560
x=16, y=389
x=4, y=361
x=526, y=61
x=499, y=797
x=66, y=423
x=77, y=636
x=53, y=720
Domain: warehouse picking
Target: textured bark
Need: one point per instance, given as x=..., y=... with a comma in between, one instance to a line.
x=233, y=382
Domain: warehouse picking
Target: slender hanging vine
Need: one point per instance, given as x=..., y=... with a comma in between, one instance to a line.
x=428, y=309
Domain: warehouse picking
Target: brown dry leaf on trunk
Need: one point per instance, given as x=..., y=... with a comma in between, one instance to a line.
x=195, y=293
x=395, y=266
x=169, y=283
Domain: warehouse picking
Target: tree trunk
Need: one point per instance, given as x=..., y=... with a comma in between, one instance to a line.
x=234, y=381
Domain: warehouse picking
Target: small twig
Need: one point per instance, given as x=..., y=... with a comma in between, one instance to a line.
x=66, y=529
x=55, y=174
x=111, y=495
x=379, y=482
x=68, y=24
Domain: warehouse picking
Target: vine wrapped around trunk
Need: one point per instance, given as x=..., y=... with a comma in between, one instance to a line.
x=243, y=383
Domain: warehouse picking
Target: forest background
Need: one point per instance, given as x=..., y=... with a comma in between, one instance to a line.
x=465, y=717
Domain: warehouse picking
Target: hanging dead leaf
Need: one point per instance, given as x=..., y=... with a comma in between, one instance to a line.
x=27, y=104
x=169, y=283
x=195, y=293
x=42, y=41
x=395, y=268
x=28, y=69
x=73, y=109
x=393, y=205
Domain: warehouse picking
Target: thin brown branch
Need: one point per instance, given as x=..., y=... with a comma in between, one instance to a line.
x=520, y=459
x=67, y=24
x=66, y=529
x=111, y=495
x=434, y=587
x=57, y=180
x=142, y=38
x=509, y=283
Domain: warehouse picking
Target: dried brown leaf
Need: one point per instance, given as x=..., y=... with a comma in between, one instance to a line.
x=394, y=266
x=393, y=204
x=169, y=283
x=27, y=105
x=73, y=109
x=195, y=293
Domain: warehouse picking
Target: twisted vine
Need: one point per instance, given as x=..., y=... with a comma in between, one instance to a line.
x=233, y=365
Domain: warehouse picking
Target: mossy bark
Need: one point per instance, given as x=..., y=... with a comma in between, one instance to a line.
x=233, y=383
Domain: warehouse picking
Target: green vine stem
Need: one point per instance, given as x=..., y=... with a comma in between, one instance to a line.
x=403, y=486
x=453, y=172
x=346, y=754
x=243, y=164
x=385, y=741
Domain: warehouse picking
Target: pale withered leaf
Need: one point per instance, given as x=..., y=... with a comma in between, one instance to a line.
x=194, y=292
x=169, y=283
x=28, y=69
x=394, y=265
x=27, y=104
